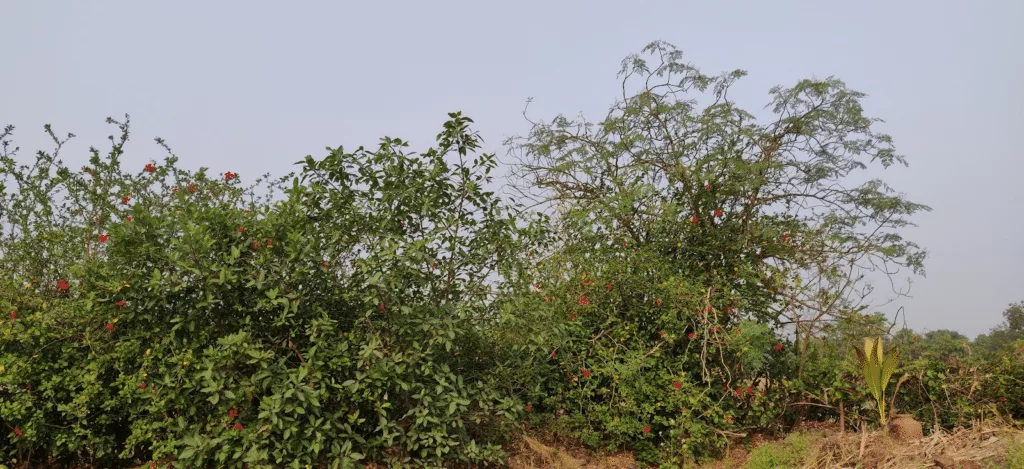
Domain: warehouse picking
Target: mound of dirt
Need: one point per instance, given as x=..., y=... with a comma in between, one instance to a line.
x=904, y=427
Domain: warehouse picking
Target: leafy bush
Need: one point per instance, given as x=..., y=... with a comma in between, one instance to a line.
x=319, y=319
x=691, y=274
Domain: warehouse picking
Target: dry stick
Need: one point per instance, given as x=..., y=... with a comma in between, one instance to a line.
x=935, y=412
x=842, y=419
x=863, y=440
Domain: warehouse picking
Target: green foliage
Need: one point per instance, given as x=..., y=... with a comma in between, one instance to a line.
x=691, y=273
x=1001, y=338
x=790, y=452
x=1015, y=457
x=320, y=319
x=714, y=231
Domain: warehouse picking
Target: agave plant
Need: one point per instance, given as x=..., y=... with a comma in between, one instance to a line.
x=878, y=368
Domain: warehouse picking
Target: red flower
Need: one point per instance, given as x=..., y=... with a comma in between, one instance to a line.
x=150, y=168
x=586, y=373
x=785, y=237
x=710, y=309
x=110, y=327
x=62, y=285
x=625, y=243
x=14, y=315
x=381, y=306
x=572, y=316
x=270, y=242
x=568, y=376
x=97, y=219
x=778, y=347
x=255, y=244
x=152, y=465
x=739, y=391
x=323, y=264
x=714, y=330
x=128, y=218
x=677, y=385
x=647, y=429
x=661, y=334
x=609, y=287
x=537, y=286
x=142, y=385
x=552, y=354
x=658, y=302
x=229, y=176
x=694, y=219
x=718, y=212
x=233, y=413
x=750, y=390
x=238, y=426
x=762, y=394
x=584, y=300
x=17, y=431
x=120, y=304
x=241, y=229
x=547, y=299
x=104, y=238
x=707, y=186
x=245, y=211
x=738, y=331
x=125, y=199
x=692, y=335
x=192, y=188
x=528, y=408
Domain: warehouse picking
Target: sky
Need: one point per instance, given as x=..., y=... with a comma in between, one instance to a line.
x=254, y=86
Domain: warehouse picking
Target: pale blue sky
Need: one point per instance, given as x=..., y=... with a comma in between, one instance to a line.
x=252, y=86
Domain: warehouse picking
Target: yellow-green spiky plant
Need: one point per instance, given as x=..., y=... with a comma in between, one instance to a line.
x=878, y=368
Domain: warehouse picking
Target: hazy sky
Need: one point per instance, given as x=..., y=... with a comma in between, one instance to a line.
x=253, y=86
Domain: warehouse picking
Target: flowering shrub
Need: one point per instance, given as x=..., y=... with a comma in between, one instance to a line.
x=326, y=318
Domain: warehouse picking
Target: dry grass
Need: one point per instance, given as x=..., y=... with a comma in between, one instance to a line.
x=981, y=447
x=532, y=454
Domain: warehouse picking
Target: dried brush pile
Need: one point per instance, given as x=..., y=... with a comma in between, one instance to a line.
x=982, y=446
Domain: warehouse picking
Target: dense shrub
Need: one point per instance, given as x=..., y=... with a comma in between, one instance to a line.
x=690, y=237
x=690, y=274
x=164, y=315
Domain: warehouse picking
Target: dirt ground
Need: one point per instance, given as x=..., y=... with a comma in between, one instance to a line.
x=532, y=454
x=981, y=447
